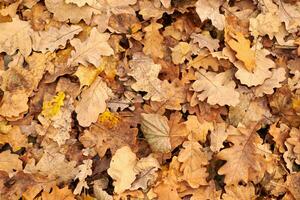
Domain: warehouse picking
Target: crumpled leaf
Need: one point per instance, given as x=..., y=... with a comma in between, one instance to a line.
x=216, y=88
x=179, y=52
x=193, y=160
x=145, y=72
x=15, y=35
x=92, y=103
x=265, y=24
x=210, y=10
x=122, y=169
x=57, y=193
x=53, y=38
x=156, y=131
x=245, y=161
x=153, y=42
x=10, y=162
x=91, y=49
x=218, y=136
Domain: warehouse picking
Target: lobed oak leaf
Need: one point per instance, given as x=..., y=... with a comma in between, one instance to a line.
x=260, y=72
x=153, y=41
x=92, y=103
x=245, y=162
x=81, y=3
x=239, y=192
x=157, y=132
x=87, y=74
x=294, y=142
x=52, y=107
x=84, y=171
x=91, y=49
x=178, y=129
x=278, y=76
x=54, y=38
x=13, y=136
x=218, y=136
x=122, y=169
x=63, y=11
x=15, y=35
x=241, y=46
x=210, y=10
x=207, y=192
x=145, y=72
x=57, y=193
x=265, y=24
x=216, y=88
x=10, y=162
x=193, y=160
x=279, y=134
x=205, y=40
x=198, y=130
x=53, y=166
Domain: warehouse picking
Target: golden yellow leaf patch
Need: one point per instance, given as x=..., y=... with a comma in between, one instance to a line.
x=52, y=108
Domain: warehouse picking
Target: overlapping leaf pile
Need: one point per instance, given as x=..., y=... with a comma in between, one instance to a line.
x=149, y=99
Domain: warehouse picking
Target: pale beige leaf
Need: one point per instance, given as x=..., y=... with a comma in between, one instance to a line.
x=218, y=136
x=205, y=40
x=156, y=131
x=15, y=35
x=85, y=170
x=92, y=103
x=91, y=50
x=294, y=142
x=278, y=75
x=260, y=73
x=63, y=11
x=53, y=38
x=166, y=3
x=10, y=162
x=145, y=72
x=217, y=88
x=265, y=24
x=193, y=160
x=198, y=130
x=122, y=169
x=210, y=10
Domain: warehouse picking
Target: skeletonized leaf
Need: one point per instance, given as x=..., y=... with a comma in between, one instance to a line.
x=54, y=38
x=216, y=88
x=156, y=130
x=91, y=49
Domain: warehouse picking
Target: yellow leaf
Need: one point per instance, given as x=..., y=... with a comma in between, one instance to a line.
x=109, y=119
x=52, y=108
x=241, y=46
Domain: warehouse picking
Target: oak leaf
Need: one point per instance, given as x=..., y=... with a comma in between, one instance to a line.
x=179, y=52
x=122, y=169
x=205, y=40
x=81, y=3
x=15, y=35
x=245, y=161
x=198, y=130
x=84, y=171
x=153, y=42
x=216, y=88
x=57, y=193
x=54, y=38
x=10, y=162
x=13, y=136
x=239, y=192
x=145, y=72
x=294, y=142
x=92, y=103
x=210, y=10
x=265, y=24
x=87, y=74
x=193, y=160
x=156, y=131
x=218, y=136
x=91, y=49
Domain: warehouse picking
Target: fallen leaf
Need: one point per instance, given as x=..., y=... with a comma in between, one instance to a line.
x=57, y=193
x=10, y=162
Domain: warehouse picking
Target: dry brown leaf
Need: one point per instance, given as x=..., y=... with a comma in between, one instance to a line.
x=198, y=130
x=10, y=162
x=153, y=42
x=57, y=193
x=216, y=88
x=53, y=38
x=194, y=160
x=89, y=51
x=179, y=52
x=205, y=40
x=92, y=103
x=218, y=136
x=239, y=192
x=245, y=161
x=294, y=141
